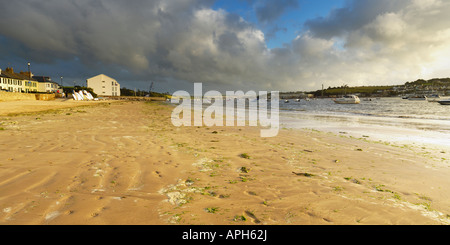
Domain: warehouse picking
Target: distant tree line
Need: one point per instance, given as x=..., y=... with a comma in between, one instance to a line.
x=342, y=90
x=431, y=82
x=382, y=90
x=141, y=93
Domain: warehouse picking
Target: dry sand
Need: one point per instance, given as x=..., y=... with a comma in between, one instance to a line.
x=125, y=163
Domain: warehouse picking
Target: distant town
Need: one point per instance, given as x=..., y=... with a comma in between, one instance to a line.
x=435, y=86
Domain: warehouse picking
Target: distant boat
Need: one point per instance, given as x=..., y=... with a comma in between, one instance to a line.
x=418, y=97
x=433, y=98
x=286, y=101
x=298, y=100
x=347, y=99
x=444, y=102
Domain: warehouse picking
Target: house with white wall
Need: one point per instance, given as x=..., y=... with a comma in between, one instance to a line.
x=46, y=84
x=17, y=82
x=104, y=85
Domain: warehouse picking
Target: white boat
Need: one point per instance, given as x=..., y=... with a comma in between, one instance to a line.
x=76, y=96
x=286, y=101
x=418, y=97
x=347, y=99
x=444, y=102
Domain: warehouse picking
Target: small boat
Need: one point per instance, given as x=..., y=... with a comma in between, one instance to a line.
x=347, y=99
x=433, y=98
x=418, y=97
x=444, y=102
x=297, y=100
x=286, y=101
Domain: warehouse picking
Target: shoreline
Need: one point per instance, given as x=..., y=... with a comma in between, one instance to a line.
x=125, y=163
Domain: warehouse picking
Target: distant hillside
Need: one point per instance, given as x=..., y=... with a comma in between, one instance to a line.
x=431, y=82
x=421, y=86
x=362, y=90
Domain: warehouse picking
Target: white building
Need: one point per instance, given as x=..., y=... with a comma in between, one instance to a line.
x=16, y=82
x=45, y=84
x=104, y=85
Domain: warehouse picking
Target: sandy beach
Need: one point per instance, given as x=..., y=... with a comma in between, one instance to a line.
x=124, y=163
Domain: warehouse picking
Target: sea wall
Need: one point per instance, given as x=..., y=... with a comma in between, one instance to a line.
x=45, y=96
x=12, y=96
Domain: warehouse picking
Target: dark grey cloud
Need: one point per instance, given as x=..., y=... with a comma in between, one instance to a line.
x=181, y=42
x=271, y=10
x=356, y=14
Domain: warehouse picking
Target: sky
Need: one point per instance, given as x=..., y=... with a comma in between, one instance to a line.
x=228, y=45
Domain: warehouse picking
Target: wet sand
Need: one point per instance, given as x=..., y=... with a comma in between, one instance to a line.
x=125, y=163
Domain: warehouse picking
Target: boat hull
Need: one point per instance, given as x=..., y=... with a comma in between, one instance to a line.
x=346, y=102
x=444, y=102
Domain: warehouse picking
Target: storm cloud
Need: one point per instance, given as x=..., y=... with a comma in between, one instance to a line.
x=270, y=10
x=364, y=42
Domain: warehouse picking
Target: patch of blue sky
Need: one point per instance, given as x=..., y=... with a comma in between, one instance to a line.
x=289, y=25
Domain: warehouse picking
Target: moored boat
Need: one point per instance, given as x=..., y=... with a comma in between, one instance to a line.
x=347, y=99
x=418, y=97
x=444, y=102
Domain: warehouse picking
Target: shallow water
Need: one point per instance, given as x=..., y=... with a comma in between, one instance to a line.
x=386, y=119
x=392, y=120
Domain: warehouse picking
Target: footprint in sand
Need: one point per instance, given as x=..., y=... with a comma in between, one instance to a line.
x=252, y=217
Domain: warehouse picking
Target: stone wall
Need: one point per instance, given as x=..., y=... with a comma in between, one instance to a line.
x=45, y=96
x=11, y=96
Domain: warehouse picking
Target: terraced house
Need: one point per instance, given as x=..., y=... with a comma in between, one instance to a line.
x=17, y=82
x=25, y=82
x=46, y=84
